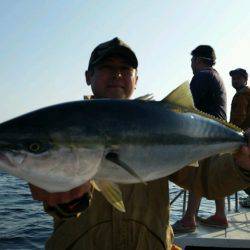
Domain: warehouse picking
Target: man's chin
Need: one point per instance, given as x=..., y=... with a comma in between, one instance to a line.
x=117, y=97
x=116, y=93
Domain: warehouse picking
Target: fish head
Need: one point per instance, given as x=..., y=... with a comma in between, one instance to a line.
x=49, y=154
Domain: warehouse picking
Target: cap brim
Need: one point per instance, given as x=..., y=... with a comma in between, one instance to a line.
x=231, y=73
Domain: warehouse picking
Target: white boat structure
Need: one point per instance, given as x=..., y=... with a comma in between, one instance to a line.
x=236, y=236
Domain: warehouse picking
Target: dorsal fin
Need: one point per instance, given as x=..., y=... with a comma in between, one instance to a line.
x=182, y=100
x=224, y=122
x=147, y=97
x=181, y=96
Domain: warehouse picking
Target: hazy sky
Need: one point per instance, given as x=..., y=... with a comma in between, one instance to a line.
x=45, y=45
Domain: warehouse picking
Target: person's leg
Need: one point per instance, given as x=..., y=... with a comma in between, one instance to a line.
x=188, y=221
x=189, y=218
x=220, y=209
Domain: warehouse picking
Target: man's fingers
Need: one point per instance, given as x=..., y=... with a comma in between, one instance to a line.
x=61, y=197
x=38, y=193
x=245, y=150
x=78, y=192
x=58, y=199
x=247, y=135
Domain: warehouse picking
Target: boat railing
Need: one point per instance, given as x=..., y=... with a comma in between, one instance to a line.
x=183, y=193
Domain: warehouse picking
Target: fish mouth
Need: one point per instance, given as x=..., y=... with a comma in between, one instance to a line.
x=5, y=160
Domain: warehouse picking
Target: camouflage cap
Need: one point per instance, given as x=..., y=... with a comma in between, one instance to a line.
x=239, y=71
x=113, y=47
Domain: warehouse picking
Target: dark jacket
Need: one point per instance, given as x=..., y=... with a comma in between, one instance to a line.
x=209, y=93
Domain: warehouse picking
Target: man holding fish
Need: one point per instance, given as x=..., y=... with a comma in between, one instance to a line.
x=85, y=218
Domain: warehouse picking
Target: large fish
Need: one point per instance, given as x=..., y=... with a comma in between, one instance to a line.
x=60, y=147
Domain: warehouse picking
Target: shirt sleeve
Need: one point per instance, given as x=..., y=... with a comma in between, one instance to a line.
x=239, y=110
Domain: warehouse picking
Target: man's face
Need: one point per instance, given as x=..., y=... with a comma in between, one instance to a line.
x=238, y=81
x=112, y=78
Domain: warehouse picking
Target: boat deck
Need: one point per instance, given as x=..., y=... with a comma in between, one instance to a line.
x=236, y=236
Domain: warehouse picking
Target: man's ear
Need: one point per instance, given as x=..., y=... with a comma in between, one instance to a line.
x=198, y=60
x=87, y=77
x=201, y=63
x=136, y=81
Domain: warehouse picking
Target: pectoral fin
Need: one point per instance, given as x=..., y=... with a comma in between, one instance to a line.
x=111, y=192
x=114, y=157
x=194, y=164
x=95, y=186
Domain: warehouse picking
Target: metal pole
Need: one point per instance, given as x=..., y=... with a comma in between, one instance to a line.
x=228, y=203
x=184, y=202
x=236, y=202
x=177, y=196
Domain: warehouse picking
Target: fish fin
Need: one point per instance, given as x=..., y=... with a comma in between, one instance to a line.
x=87, y=97
x=111, y=192
x=181, y=96
x=182, y=101
x=224, y=122
x=147, y=97
x=95, y=186
x=194, y=164
x=114, y=157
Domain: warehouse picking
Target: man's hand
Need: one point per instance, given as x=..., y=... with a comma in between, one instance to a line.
x=52, y=199
x=242, y=158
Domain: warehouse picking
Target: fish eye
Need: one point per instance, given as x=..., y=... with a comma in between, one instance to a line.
x=36, y=147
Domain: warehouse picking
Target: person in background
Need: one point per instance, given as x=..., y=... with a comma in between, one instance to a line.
x=240, y=109
x=83, y=219
x=209, y=96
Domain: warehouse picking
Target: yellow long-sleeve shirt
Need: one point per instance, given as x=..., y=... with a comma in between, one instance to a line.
x=240, y=108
